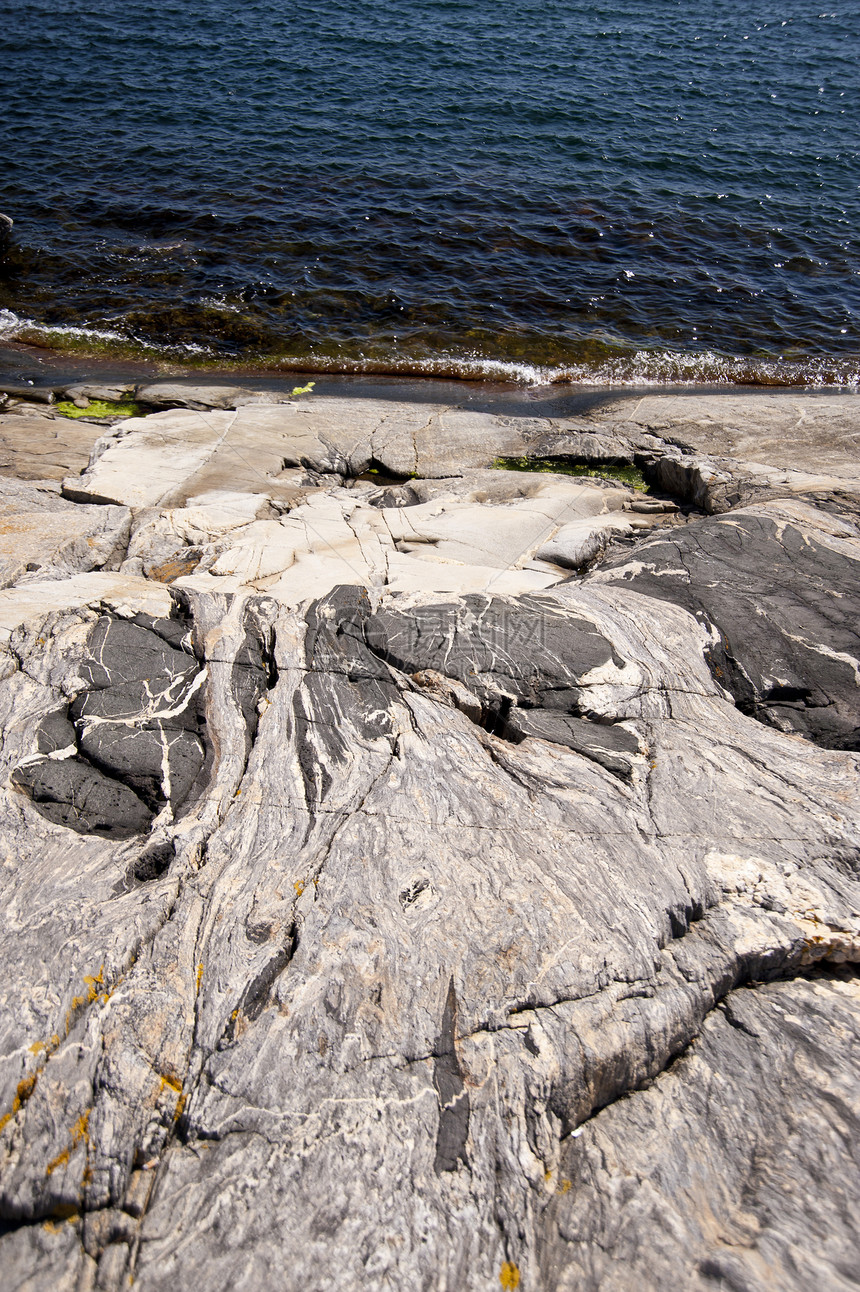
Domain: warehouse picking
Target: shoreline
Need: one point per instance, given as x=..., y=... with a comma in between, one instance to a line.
x=45, y=369
x=430, y=648
x=618, y=367
x=697, y=441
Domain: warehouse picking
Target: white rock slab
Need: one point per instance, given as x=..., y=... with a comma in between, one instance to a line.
x=149, y=458
x=54, y=544
x=122, y=593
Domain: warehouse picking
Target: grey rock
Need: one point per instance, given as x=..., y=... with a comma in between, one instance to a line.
x=799, y=431
x=31, y=496
x=39, y=445
x=374, y=807
x=55, y=733
x=53, y=544
x=573, y=547
x=73, y=794
x=131, y=744
x=34, y=394
x=137, y=759
x=764, y=1101
x=610, y=745
x=85, y=391
x=124, y=652
x=31, y=603
x=780, y=585
x=176, y=394
x=362, y=936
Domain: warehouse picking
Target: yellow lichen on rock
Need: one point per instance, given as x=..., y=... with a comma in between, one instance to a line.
x=22, y=1094
x=93, y=983
x=509, y=1276
x=60, y=1160
x=169, y=1082
x=78, y=1134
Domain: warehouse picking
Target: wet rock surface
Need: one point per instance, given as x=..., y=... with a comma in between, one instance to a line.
x=388, y=904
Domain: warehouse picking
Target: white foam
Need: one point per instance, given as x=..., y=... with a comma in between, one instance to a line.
x=17, y=326
x=676, y=367
x=634, y=368
x=11, y=326
x=9, y=323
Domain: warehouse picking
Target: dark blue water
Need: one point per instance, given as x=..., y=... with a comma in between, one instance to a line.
x=636, y=190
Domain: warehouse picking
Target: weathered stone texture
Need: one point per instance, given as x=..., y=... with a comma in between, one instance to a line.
x=375, y=931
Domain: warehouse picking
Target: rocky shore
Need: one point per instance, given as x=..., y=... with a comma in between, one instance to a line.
x=423, y=874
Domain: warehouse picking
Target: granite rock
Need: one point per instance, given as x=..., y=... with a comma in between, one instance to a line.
x=37, y=444
x=765, y=1102
x=378, y=918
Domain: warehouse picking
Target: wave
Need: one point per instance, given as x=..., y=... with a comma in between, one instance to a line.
x=89, y=339
x=640, y=368
x=617, y=366
x=10, y=324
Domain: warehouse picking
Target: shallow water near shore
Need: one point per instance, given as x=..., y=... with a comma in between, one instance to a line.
x=38, y=368
x=545, y=193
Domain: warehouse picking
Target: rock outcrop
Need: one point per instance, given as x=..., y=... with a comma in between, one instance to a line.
x=424, y=875
x=780, y=582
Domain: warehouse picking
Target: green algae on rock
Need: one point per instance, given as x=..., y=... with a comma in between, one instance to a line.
x=98, y=408
x=564, y=465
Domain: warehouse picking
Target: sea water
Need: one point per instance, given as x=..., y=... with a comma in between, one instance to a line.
x=540, y=190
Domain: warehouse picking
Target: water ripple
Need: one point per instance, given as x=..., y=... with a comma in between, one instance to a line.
x=613, y=192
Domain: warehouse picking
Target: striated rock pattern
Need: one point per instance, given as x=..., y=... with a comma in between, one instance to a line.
x=780, y=582
x=132, y=742
x=496, y=927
